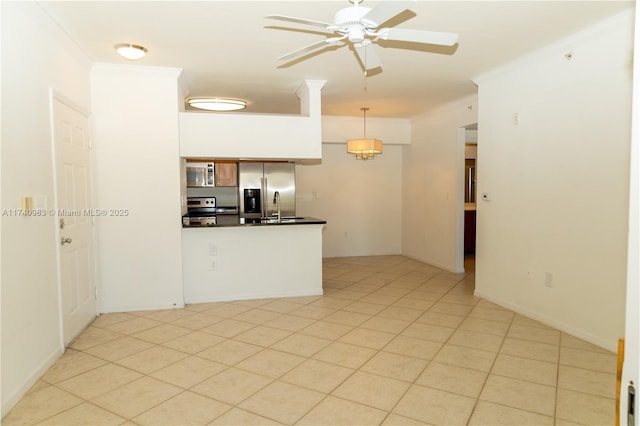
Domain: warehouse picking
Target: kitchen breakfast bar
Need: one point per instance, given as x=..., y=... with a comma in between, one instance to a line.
x=263, y=259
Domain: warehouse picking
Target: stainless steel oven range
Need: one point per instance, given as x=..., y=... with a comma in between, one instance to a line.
x=202, y=211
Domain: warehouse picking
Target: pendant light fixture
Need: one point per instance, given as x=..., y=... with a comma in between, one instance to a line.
x=364, y=149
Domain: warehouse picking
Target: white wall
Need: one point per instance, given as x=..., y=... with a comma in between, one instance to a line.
x=558, y=182
x=138, y=168
x=360, y=200
x=31, y=338
x=433, y=185
x=337, y=129
x=632, y=319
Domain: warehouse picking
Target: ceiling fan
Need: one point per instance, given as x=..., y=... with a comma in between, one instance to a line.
x=358, y=25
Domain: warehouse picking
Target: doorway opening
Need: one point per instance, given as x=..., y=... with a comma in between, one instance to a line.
x=470, y=195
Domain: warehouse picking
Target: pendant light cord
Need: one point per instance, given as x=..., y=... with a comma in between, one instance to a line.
x=364, y=115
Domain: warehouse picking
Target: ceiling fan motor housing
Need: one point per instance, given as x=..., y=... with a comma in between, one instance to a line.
x=348, y=20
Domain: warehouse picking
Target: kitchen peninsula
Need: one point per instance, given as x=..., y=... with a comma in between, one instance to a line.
x=237, y=243
x=247, y=250
x=252, y=261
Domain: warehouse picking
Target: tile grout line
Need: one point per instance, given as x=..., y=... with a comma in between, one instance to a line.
x=377, y=351
x=413, y=383
x=486, y=379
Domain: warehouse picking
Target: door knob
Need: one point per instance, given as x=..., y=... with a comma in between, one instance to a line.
x=64, y=240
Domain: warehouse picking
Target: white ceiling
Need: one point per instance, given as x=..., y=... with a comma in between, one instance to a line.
x=228, y=48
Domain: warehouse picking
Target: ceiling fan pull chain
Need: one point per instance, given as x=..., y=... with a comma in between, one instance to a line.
x=365, y=70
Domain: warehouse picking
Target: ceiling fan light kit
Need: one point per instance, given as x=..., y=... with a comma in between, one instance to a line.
x=358, y=25
x=217, y=104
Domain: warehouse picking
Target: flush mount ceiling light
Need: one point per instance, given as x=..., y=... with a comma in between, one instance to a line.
x=217, y=104
x=132, y=52
x=364, y=149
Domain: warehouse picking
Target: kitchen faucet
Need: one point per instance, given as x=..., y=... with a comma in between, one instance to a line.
x=276, y=200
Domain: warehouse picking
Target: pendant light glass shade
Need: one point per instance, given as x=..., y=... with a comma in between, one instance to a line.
x=364, y=149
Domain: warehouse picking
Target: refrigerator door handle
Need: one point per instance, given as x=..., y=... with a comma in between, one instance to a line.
x=264, y=207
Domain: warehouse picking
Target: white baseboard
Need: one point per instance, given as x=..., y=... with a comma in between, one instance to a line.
x=112, y=309
x=17, y=394
x=447, y=268
x=244, y=296
x=610, y=345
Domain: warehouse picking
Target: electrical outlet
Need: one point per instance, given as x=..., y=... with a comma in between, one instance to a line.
x=548, y=279
x=213, y=265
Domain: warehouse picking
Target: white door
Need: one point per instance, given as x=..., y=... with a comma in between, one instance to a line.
x=74, y=220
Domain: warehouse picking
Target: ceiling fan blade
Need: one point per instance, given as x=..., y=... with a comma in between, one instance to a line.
x=368, y=56
x=299, y=20
x=418, y=36
x=386, y=10
x=311, y=47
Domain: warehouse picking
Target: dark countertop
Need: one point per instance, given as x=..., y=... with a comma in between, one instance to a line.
x=235, y=220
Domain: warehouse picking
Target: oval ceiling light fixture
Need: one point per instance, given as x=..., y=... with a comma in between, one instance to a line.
x=129, y=51
x=217, y=104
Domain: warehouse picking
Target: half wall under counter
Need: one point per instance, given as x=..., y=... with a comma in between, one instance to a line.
x=222, y=263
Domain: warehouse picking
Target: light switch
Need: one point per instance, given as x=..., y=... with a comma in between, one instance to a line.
x=213, y=249
x=26, y=203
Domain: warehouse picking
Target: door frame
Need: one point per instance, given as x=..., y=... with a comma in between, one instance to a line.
x=461, y=139
x=54, y=96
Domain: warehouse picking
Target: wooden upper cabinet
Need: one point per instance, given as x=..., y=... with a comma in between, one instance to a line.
x=226, y=174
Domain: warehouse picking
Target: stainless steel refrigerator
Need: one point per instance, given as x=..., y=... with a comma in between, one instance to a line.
x=257, y=185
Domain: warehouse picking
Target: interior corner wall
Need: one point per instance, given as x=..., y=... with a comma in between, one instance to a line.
x=137, y=171
x=360, y=200
x=553, y=153
x=433, y=185
x=31, y=339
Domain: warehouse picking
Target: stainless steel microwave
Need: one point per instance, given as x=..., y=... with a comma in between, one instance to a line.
x=200, y=174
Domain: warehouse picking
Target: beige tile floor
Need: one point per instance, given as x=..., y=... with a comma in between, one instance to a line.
x=392, y=341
